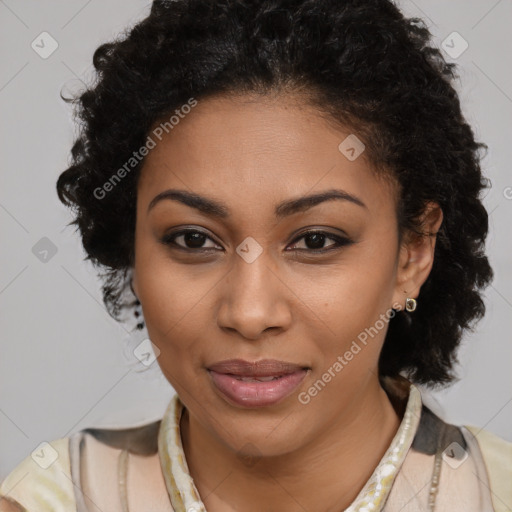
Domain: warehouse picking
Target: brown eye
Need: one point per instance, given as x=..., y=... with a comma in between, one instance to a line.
x=190, y=239
x=314, y=241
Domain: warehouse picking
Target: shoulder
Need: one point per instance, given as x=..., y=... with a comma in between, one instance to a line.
x=41, y=481
x=495, y=450
x=76, y=473
x=476, y=464
x=496, y=454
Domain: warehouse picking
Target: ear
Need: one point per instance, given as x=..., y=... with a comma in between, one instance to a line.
x=416, y=256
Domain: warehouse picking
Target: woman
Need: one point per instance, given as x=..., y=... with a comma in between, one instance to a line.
x=287, y=195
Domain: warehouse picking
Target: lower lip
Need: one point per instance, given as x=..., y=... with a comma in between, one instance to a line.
x=256, y=394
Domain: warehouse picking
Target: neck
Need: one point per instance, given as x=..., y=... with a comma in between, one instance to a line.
x=339, y=461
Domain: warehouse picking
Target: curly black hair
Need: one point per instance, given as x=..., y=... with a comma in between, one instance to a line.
x=364, y=65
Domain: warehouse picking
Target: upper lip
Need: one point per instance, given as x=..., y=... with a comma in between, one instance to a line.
x=261, y=368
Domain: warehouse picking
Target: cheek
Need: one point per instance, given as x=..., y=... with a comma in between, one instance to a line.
x=176, y=311
x=352, y=299
x=168, y=291
x=167, y=299
x=372, y=275
x=361, y=285
x=172, y=311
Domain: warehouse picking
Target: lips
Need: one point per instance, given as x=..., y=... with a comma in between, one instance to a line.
x=262, y=368
x=256, y=384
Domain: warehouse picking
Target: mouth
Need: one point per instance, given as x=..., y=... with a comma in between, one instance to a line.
x=256, y=384
x=256, y=379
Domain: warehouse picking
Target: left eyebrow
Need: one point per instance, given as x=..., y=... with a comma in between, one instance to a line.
x=218, y=209
x=301, y=204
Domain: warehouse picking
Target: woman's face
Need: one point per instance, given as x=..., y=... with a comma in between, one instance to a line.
x=247, y=282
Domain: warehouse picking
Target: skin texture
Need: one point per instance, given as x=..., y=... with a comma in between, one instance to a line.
x=252, y=153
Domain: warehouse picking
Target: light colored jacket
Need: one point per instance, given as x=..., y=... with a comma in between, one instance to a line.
x=88, y=471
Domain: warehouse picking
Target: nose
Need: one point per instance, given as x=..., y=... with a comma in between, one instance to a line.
x=254, y=299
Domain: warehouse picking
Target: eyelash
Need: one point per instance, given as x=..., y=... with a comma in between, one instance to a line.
x=170, y=238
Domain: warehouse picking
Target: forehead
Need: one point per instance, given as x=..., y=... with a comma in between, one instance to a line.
x=257, y=151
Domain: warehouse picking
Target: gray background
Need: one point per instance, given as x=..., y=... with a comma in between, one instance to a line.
x=65, y=364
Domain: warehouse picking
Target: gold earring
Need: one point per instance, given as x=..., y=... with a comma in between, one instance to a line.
x=410, y=304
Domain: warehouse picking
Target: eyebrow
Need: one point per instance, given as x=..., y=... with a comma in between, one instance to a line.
x=218, y=209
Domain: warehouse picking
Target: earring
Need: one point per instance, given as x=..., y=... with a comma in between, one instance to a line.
x=138, y=315
x=410, y=304
x=137, y=310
